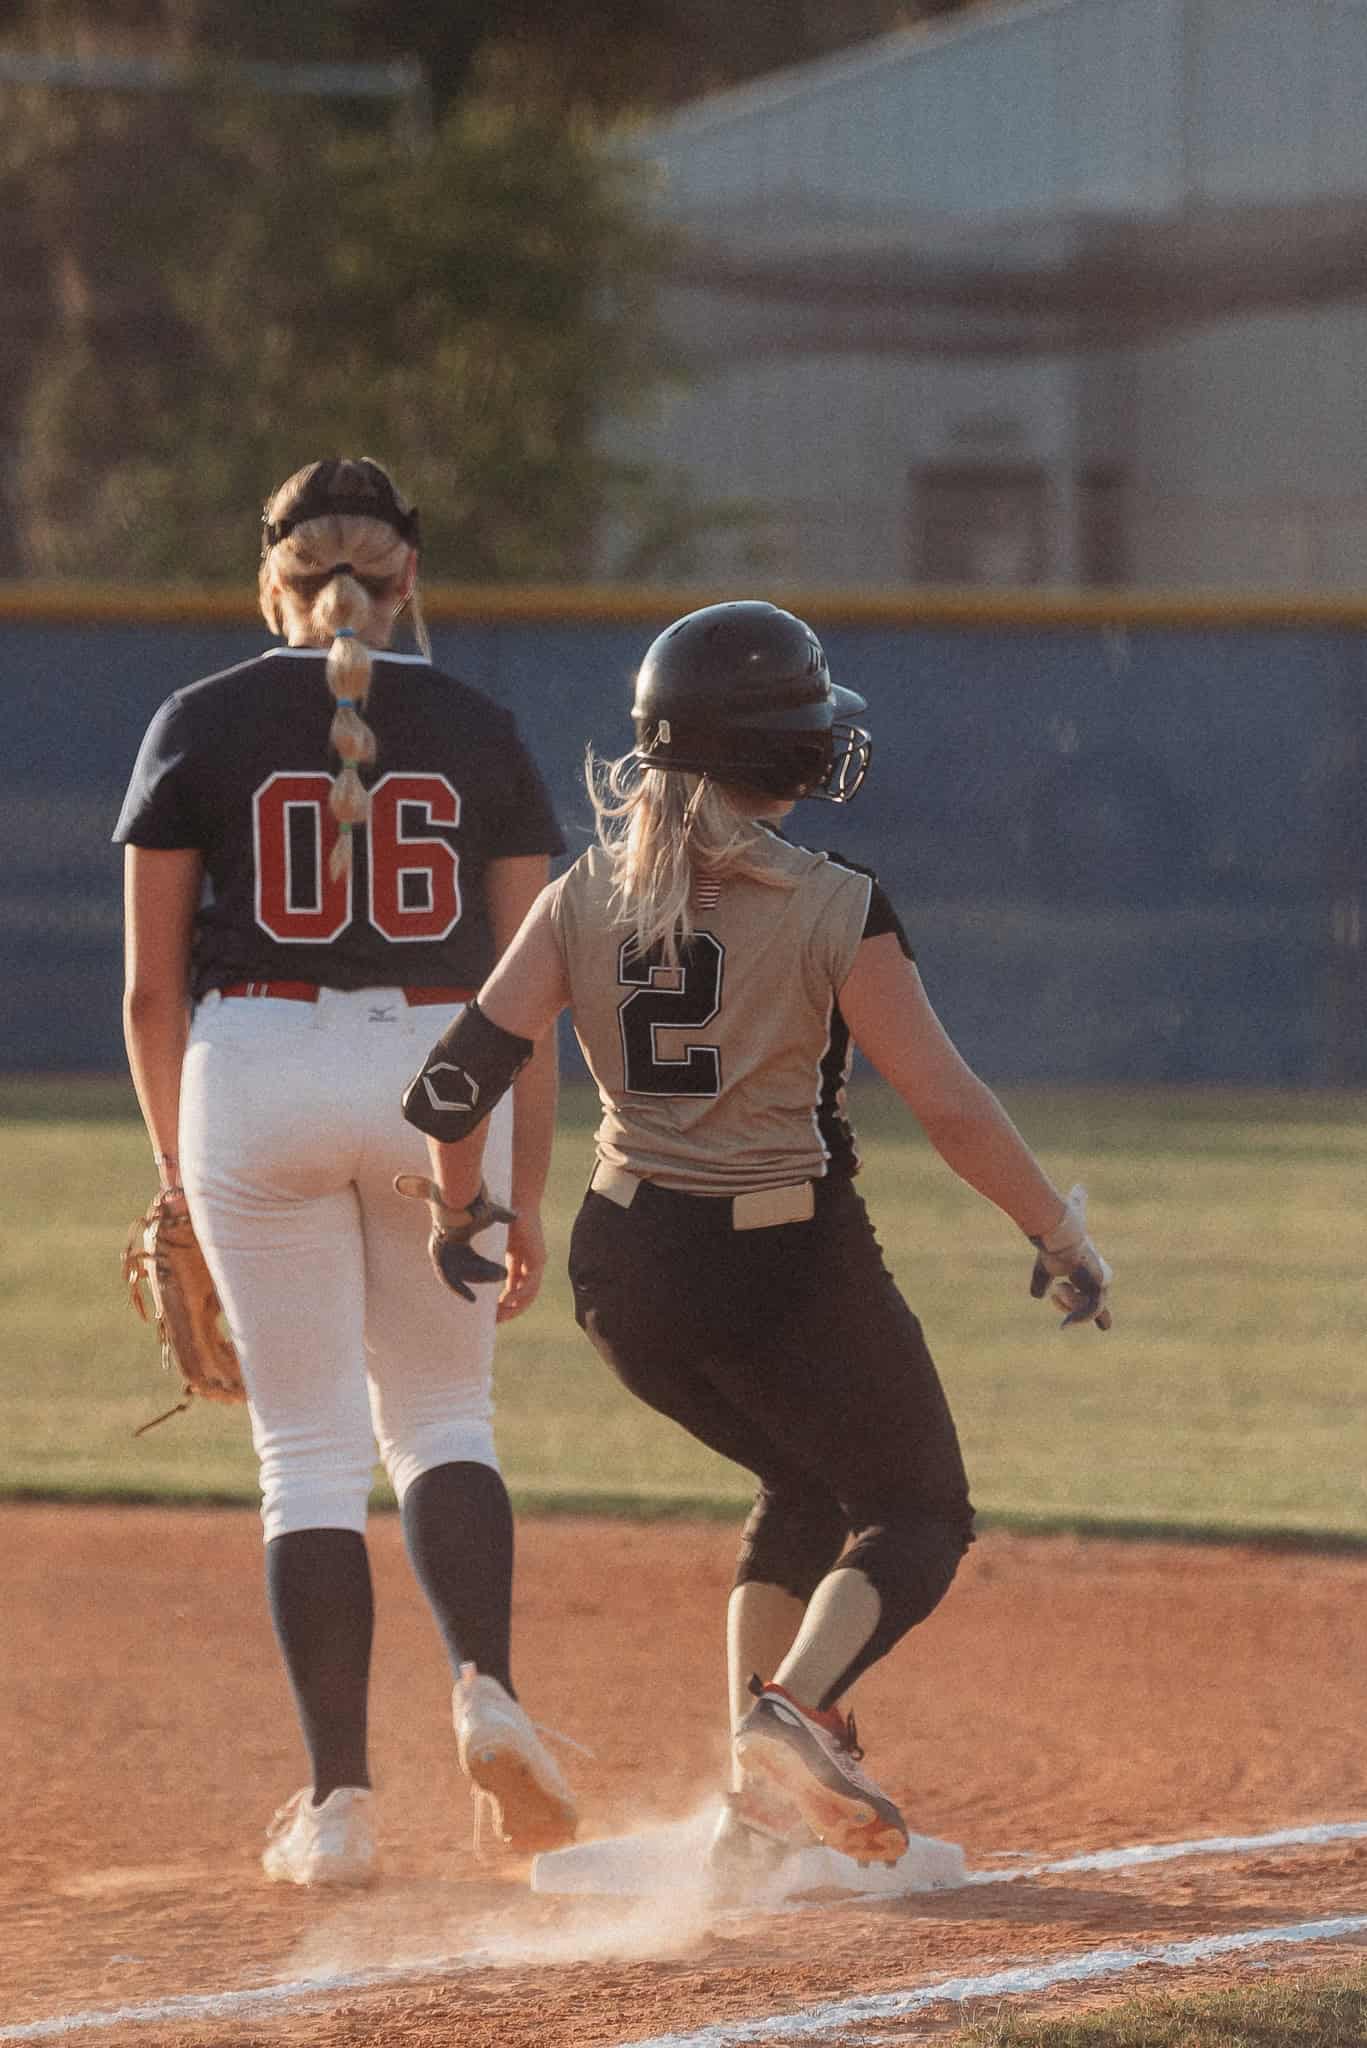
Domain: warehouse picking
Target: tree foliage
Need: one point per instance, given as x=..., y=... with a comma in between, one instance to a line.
x=609, y=55
x=209, y=283
x=239, y=294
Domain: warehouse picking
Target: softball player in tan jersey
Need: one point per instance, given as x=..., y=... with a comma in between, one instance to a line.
x=743, y=1111
x=722, y=1262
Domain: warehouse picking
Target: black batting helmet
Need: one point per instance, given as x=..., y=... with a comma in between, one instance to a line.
x=742, y=692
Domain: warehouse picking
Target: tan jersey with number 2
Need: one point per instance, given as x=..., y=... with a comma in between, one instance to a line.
x=716, y=1077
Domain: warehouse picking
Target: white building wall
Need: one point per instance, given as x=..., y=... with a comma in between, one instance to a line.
x=1245, y=440
x=1250, y=453
x=1274, y=95
x=963, y=121
x=829, y=449
x=1118, y=105
x=1065, y=104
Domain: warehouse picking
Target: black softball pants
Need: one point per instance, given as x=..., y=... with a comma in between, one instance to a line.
x=790, y=1351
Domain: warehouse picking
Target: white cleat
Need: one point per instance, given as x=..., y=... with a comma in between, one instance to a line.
x=329, y=1844
x=523, y=1802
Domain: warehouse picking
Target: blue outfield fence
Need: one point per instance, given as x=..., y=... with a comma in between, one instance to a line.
x=1129, y=847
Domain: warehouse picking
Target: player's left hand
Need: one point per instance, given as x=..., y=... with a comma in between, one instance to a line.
x=460, y=1267
x=454, y=1259
x=526, y=1263
x=1067, y=1256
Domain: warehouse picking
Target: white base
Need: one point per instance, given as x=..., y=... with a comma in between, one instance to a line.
x=670, y=1860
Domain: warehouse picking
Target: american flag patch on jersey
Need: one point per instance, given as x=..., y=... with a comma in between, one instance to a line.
x=706, y=892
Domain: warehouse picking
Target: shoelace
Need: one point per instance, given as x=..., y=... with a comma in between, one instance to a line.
x=844, y=1734
x=848, y=1741
x=283, y=1817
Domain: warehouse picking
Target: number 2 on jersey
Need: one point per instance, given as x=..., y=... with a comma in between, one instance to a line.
x=661, y=1000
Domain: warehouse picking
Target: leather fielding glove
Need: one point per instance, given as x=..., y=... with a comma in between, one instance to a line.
x=1067, y=1257
x=169, y=1285
x=454, y=1259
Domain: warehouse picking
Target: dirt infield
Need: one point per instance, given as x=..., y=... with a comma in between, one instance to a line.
x=1068, y=1697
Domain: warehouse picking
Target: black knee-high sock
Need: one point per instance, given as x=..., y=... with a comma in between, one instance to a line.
x=323, y=1608
x=458, y=1525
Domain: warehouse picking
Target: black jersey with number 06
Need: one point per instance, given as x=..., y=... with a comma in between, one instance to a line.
x=237, y=766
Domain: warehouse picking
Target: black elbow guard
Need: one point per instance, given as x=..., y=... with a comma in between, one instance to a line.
x=470, y=1068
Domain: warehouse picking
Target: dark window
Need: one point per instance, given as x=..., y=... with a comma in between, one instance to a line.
x=980, y=524
x=1102, y=515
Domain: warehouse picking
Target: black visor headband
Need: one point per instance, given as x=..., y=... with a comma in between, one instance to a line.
x=321, y=499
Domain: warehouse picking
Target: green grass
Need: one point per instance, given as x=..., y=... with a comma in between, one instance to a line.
x=1294, y=2013
x=1229, y=1398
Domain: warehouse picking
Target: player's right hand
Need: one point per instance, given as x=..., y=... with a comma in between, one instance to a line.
x=525, y=1261
x=1066, y=1256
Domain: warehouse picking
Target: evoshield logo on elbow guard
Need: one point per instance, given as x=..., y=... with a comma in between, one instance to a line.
x=465, y=1091
x=448, y=1098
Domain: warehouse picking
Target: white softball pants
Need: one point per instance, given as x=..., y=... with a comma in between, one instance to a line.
x=290, y=1137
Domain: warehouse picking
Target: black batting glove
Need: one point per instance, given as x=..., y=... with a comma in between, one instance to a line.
x=460, y=1265
x=454, y=1259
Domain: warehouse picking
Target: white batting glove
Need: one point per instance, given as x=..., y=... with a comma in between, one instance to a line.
x=1067, y=1256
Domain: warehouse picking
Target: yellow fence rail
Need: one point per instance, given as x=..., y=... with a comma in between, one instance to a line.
x=458, y=604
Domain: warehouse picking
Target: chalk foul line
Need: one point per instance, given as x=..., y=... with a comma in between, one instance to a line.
x=1167, y=1852
x=828, y=2022
x=1026, y=1977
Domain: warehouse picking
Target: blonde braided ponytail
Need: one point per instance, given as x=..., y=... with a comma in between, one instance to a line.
x=349, y=668
x=339, y=543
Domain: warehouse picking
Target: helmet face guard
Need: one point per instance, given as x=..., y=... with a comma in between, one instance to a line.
x=851, y=753
x=829, y=764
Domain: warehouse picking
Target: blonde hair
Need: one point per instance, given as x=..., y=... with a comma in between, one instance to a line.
x=665, y=831
x=342, y=571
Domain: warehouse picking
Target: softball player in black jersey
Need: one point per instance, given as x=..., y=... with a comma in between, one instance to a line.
x=327, y=847
x=722, y=1261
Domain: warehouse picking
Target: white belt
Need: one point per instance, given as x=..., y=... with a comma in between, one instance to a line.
x=756, y=1209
